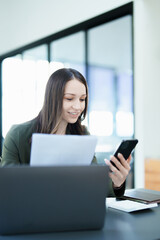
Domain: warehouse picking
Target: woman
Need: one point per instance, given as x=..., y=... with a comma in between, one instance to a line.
x=65, y=106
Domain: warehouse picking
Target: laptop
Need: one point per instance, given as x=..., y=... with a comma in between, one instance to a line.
x=52, y=149
x=56, y=198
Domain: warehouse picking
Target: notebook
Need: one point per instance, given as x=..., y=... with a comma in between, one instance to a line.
x=142, y=195
x=48, y=199
x=128, y=205
x=52, y=149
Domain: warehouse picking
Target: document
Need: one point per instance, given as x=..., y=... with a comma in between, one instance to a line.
x=51, y=149
x=128, y=205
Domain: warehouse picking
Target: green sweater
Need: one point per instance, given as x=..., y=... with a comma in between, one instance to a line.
x=17, y=144
x=17, y=147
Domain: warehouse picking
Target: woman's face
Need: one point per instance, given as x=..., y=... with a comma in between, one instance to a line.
x=73, y=101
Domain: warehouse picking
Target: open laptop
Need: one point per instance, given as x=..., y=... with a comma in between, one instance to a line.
x=47, y=199
x=52, y=149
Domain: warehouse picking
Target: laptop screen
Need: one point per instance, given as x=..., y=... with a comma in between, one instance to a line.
x=51, y=149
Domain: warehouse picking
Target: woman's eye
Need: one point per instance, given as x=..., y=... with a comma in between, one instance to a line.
x=82, y=100
x=69, y=99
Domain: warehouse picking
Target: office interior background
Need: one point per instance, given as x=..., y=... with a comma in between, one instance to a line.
x=115, y=44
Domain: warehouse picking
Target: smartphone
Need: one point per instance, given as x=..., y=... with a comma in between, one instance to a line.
x=125, y=148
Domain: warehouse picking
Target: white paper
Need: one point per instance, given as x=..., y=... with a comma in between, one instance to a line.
x=51, y=149
x=128, y=205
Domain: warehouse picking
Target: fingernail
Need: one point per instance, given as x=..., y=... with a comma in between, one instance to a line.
x=107, y=163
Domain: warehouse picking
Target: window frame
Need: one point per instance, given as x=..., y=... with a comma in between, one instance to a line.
x=117, y=13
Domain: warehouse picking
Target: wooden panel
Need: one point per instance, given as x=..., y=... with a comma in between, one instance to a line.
x=152, y=174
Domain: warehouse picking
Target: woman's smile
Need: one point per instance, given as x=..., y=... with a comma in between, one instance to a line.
x=74, y=114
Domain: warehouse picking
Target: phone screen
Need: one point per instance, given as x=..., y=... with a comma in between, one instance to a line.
x=125, y=148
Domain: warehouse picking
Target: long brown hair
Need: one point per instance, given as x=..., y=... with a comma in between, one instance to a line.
x=50, y=115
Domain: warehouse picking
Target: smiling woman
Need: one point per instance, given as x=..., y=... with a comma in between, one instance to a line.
x=65, y=103
x=64, y=109
x=73, y=102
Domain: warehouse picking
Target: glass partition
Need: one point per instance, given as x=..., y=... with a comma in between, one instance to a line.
x=23, y=86
x=103, y=54
x=111, y=84
x=69, y=52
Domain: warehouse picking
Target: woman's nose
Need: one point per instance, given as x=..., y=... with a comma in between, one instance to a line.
x=76, y=105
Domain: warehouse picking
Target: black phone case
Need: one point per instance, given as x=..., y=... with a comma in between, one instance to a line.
x=125, y=148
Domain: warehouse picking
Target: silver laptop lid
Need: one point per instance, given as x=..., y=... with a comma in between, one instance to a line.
x=53, y=149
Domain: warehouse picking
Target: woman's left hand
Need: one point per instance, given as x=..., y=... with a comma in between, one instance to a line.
x=119, y=175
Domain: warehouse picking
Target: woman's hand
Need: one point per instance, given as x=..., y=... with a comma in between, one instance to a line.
x=119, y=175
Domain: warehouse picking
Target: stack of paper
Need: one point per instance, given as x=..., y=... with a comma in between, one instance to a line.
x=127, y=205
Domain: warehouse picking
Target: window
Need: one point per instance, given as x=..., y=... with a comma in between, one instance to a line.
x=101, y=49
x=65, y=52
x=23, y=85
x=111, y=83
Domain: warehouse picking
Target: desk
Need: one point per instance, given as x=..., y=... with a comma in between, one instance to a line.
x=141, y=225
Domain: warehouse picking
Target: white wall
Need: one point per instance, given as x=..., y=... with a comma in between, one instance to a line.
x=25, y=21
x=147, y=83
